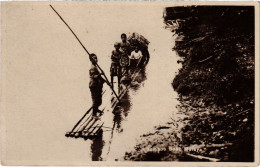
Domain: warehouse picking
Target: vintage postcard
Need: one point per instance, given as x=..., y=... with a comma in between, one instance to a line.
x=130, y=83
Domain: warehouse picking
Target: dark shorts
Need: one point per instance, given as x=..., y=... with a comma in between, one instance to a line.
x=133, y=63
x=96, y=95
x=115, y=70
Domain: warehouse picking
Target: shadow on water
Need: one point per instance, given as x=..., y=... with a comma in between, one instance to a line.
x=120, y=113
x=139, y=79
x=97, y=147
x=124, y=107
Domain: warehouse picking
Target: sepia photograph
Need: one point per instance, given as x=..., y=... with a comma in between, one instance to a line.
x=130, y=83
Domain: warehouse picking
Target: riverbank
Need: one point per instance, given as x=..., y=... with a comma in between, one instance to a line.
x=215, y=118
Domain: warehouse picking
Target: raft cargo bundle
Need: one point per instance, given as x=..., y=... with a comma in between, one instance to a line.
x=137, y=39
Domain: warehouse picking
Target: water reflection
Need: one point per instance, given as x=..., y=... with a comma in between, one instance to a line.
x=97, y=146
x=120, y=114
x=123, y=108
x=137, y=82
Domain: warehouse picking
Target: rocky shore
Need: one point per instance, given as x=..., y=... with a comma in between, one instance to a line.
x=215, y=118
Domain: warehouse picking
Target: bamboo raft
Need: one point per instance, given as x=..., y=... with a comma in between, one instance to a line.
x=88, y=127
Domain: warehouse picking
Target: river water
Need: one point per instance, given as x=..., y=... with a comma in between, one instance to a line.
x=154, y=101
x=55, y=94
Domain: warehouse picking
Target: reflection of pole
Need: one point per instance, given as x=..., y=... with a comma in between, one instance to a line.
x=86, y=51
x=110, y=141
x=139, y=61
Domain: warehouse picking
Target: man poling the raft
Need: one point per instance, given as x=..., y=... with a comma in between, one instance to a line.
x=95, y=75
x=95, y=84
x=90, y=57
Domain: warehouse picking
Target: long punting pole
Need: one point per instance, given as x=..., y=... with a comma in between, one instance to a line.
x=85, y=50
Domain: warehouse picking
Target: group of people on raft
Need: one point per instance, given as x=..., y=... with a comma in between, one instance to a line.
x=124, y=61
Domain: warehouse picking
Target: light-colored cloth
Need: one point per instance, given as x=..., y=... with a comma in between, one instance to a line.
x=136, y=55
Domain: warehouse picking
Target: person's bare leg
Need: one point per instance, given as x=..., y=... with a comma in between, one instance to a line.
x=112, y=81
x=118, y=77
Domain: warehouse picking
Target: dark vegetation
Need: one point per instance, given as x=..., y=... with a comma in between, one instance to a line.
x=215, y=84
x=217, y=77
